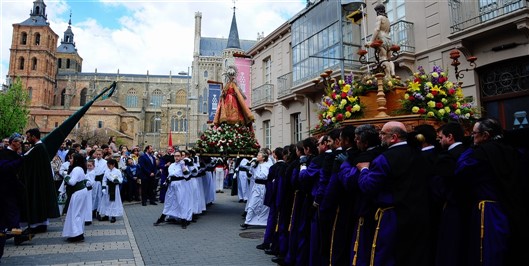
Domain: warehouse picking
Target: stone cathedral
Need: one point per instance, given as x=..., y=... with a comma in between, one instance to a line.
x=145, y=108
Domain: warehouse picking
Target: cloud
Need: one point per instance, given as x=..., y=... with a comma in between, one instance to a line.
x=154, y=36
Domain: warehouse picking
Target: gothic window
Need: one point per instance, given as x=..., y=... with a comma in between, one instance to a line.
x=82, y=100
x=181, y=97
x=156, y=98
x=21, y=63
x=131, y=100
x=200, y=106
x=205, y=101
x=37, y=38
x=155, y=123
x=30, y=93
x=68, y=63
x=99, y=124
x=205, y=73
x=60, y=63
x=34, y=63
x=24, y=38
x=63, y=94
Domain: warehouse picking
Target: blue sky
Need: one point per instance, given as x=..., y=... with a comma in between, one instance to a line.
x=136, y=36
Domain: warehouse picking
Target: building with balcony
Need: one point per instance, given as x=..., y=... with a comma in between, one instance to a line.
x=321, y=38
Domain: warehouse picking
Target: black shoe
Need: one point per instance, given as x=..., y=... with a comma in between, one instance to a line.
x=185, y=224
x=222, y=191
x=39, y=229
x=113, y=220
x=78, y=238
x=244, y=226
x=153, y=203
x=87, y=223
x=241, y=201
x=143, y=204
x=171, y=221
x=279, y=260
x=245, y=201
x=263, y=246
x=19, y=239
x=244, y=214
x=270, y=252
x=104, y=218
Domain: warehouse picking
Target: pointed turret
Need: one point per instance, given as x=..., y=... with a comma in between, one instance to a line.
x=67, y=43
x=233, y=39
x=37, y=14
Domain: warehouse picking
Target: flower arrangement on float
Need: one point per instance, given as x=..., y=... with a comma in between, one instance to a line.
x=368, y=82
x=228, y=139
x=339, y=103
x=432, y=95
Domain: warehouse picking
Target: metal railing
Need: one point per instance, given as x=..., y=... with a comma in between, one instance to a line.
x=402, y=34
x=284, y=85
x=466, y=14
x=263, y=94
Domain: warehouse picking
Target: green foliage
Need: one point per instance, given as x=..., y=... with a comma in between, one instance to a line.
x=14, y=109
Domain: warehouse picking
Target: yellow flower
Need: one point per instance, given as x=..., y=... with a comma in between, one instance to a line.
x=356, y=108
x=332, y=108
x=429, y=95
x=414, y=86
x=430, y=114
x=352, y=99
x=447, y=109
x=330, y=114
x=431, y=104
x=443, y=74
x=390, y=84
x=340, y=81
x=449, y=84
x=443, y=100
x=333, y=119
x=428, y=84
x=435, y=74
x=458, y=111
x=346, y=88
x=424, y=77
x=441, y=111
x=406, y=96
x=347, y=114
x=343, y=102
x=415, y=109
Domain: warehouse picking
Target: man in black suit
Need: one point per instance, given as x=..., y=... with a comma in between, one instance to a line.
x=147, y=167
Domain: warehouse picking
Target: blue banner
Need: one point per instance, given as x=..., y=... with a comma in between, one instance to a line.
x=213, y=100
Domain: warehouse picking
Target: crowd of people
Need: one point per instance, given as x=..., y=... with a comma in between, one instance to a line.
x=363, y=196
x=356, y=196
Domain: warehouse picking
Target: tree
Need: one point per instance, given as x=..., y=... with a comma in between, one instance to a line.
x=14, y=109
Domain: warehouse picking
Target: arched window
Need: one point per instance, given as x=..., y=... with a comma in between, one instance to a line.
x=155, y=123
x=181, y=97
x=200, y=106
x=179, y=122
x=30, y=93
x=63, y=94
x=131, y=99
x=82, y=99
x=60, y=63
x=23, y=38
x=156, y=98
x=205, y=73
x=68, y=63
x=34, y=63
x=37, y=38
x=21, y=63
x=205, y=101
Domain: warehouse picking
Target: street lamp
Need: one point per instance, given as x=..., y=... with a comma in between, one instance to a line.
x=187, y=105
x=155, y=127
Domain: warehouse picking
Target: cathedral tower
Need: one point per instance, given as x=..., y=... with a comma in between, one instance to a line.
x=33, y=57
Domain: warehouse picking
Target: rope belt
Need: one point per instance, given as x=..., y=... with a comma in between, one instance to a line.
x=357, y=239
x=378, y=217
x=261, y=181
x=332, y=236
x=481, y=207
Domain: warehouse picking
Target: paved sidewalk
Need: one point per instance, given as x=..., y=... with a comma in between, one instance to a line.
x=216, y=239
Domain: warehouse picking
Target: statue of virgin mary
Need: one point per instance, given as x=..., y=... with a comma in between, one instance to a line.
x=232, y=108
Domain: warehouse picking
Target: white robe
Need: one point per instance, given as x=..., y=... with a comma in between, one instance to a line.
x=75, y=217
x=242, y=183
x=111, y=208
x=257, y=211
x=209, y=187
x=179, y=196
x=96, y=189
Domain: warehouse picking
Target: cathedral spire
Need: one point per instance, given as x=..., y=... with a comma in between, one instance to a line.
x=233, y=38
x=38, y=16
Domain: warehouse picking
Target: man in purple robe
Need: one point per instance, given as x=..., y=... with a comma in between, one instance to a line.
x=394, y=179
